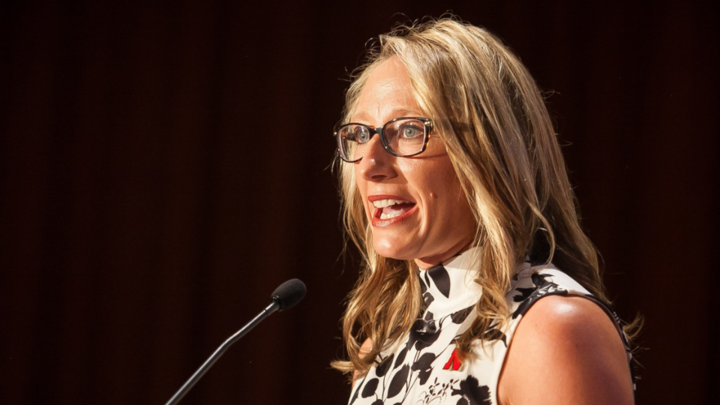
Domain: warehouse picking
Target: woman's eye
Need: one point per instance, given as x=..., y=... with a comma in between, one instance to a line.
x=410, y=132
x=363, y=134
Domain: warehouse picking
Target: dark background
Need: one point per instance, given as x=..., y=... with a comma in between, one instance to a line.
x=164, y=165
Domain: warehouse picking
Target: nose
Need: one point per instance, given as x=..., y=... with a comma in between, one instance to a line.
x=376, y=163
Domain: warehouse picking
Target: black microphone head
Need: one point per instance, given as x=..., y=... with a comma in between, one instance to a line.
x=289, y=294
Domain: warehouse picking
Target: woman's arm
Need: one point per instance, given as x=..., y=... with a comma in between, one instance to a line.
x=566, y=350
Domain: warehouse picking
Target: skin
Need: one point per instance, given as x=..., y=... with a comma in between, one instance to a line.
x=442, y=224
x=565, y=350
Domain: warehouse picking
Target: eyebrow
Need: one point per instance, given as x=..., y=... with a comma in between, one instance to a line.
x=394, y=113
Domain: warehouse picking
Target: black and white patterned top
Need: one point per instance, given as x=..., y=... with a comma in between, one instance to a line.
x=424, y=368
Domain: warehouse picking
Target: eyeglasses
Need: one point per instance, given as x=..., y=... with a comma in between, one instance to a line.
x=401, y=137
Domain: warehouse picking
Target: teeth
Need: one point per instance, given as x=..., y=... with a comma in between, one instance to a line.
x=387, y=203
x=391, y=215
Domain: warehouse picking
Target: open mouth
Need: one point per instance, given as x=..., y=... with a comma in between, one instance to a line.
x=390, y=208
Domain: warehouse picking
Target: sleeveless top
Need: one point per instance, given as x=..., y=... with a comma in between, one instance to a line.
x=425, y=368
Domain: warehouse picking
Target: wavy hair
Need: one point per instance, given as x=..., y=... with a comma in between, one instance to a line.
x=497, y=131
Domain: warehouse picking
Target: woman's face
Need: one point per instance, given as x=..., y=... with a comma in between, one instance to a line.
x=428, y=219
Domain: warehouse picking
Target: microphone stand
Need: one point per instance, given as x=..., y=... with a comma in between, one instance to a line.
x=274, y=306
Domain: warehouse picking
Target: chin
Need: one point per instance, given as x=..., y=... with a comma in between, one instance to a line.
x=394, y=250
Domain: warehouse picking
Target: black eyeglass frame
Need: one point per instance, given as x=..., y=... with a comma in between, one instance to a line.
x=427, y=126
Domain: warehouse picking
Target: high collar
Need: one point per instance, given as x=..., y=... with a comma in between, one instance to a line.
x=450, y=286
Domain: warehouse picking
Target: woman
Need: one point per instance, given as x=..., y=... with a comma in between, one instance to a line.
x=456, y=193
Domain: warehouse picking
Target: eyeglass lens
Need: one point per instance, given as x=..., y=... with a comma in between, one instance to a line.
x=404, y=137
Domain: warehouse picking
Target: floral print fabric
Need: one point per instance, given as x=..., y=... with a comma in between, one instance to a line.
x=424, y=368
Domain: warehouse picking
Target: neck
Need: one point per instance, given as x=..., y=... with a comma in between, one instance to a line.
x=430, y=261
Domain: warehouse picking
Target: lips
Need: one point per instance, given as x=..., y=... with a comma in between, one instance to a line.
x=390, y=210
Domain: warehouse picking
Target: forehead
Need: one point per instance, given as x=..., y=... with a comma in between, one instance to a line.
x=387, y=94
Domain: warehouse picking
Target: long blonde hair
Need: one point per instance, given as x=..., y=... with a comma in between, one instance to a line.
x=492, y=118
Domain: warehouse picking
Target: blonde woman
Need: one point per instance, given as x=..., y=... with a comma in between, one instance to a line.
x=478, y=286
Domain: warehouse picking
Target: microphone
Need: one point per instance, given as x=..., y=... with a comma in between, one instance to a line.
x=286, y=296
x=289, y=294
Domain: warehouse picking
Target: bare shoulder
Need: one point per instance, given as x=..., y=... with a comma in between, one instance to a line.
x=566, y=350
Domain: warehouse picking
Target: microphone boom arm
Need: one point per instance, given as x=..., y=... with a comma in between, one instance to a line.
x=274, y=306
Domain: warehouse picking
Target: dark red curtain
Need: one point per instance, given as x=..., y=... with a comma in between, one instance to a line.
x=164, y=165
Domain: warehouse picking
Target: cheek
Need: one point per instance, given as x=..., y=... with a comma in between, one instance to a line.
x=441, y=181
x=360, y=189
x=446, y=199
x=450, y=200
